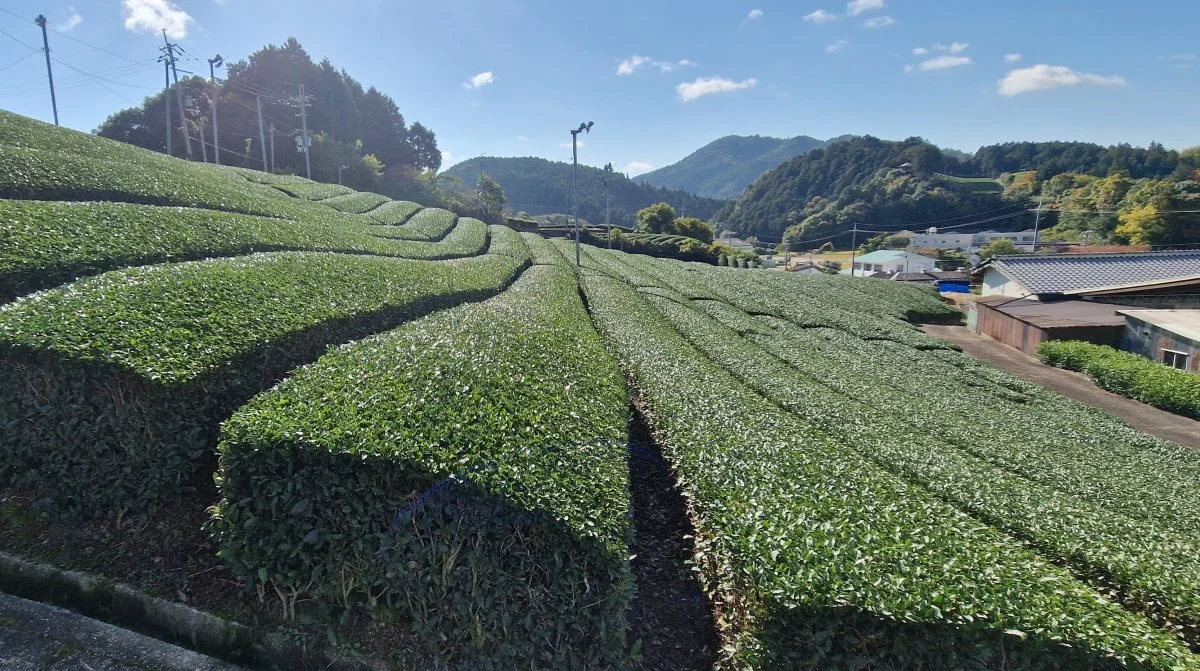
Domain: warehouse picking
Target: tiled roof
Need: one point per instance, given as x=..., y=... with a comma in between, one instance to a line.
x=1057, y=273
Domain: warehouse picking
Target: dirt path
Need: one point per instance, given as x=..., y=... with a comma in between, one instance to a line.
x=1143, y=417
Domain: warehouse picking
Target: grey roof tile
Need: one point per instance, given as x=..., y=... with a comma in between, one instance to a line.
x=1056, y=273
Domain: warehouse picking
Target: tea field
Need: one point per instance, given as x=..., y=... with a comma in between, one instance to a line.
x=418, y=437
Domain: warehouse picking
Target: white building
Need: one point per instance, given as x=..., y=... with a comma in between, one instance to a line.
x=890, y=262
x=969, y=241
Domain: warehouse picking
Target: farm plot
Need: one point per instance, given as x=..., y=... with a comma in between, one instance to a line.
x=312, y=190
x=497, y=430
x=834, y=558
x=357, y=202
x=43, y=244
x=115, y=384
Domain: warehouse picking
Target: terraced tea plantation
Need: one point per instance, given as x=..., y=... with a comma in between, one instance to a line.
x=419, y=429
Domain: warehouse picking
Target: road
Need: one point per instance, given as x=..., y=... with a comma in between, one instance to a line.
x=1143, y=417
x=38, y=637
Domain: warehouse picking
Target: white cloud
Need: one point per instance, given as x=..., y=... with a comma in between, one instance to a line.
x=152, y=16
x=820, y=16
x=1012, y=58
x=834, y=47
x=920, y=51
x=958, y=47
x=879, y=22
x=1042, y=77
x=909, y=68
x=633, y=63
x=944, y=63
x=480, y=80
x=567, y=145
x=448, y=158
x=754, y=14
x=857, y=7
x=637, y=167
x=1186, y=57
x=522, y=138
x=703, y=86
x=71, y=23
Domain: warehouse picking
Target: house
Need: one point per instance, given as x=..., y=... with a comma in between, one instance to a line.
x=934, y=240
x=1022, y=239
x=1170, y=337
x=890, y=262
x=1144, y=277
x=1025, y=323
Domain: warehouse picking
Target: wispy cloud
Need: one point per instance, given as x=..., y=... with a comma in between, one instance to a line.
x=633, y=63
x=1185, y=57
x=1012, y=58
x=634, y=168
x=859, y=6
x=1043, y=77
x=705, y=86
x=448, y=158
x=480, y=80
x=879, y=22
x=820, y=16
x=920, y=51
x=958, y=47
x=71, y=23
x=522, y=138
x=944, y=63
x=152, y=16
x=567, y=145
x=754, y=14
x=836, y=46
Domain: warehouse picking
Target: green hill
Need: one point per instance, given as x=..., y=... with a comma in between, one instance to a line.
x=537, y=186
x=378, y=430
x=724, y=167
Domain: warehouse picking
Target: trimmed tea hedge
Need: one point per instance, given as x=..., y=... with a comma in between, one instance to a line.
x=112, y=387
x=467, y=469
x=430, y=223
x=43, y=244
x=395, y=212
x=827, y=561
x=358, y=202
x=1152, y=570
x=541, y=251
x=1128, y=374
x=313, y=190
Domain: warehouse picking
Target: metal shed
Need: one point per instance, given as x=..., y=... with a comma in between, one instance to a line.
x=1025, y=323
x=1170, y=337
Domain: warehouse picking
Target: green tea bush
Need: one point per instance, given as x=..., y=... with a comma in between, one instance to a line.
x=112, y=388
x=430, y=223
x=357, y=202
x=43, y=244
x=822, y=559
x=466, y=470
x=541, y=251
x=313, y=190
x=1128, y=374
x=395, y=212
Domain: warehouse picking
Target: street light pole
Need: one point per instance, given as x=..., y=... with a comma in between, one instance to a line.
x=213, y=63
x=583, y=128
x=340, y=169
x=608, y=170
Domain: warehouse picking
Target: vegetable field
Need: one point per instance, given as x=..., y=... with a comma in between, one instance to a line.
x=419, y=430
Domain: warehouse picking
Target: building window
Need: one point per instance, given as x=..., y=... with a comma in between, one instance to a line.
x=1175, y=359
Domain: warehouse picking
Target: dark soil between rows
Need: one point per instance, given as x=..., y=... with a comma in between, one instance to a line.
x=670, y=614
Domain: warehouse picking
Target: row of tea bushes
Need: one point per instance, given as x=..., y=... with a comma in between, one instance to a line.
x=1128, y=374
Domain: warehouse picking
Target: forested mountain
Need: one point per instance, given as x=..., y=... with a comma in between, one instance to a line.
x=878, y=183
x=537, y=186
x=360, y=128
x=724, y=168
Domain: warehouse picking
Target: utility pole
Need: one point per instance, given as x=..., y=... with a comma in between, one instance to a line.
x=262, y=141
x=480, y=185
x=1038, y=219
x=608, y=169
x=583, y=128
x=41, y=21
x=169, y=50
x=853, y=249
x=304, y=142
x=203, y=144
x=167, y=99
x=216, y=62
x=340, y=169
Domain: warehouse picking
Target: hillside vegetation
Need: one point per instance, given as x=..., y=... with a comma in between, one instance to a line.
x=538, y=186
x=724, y=167
x=419, y=430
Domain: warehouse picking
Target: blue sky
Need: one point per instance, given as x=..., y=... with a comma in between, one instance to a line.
x=661, y=78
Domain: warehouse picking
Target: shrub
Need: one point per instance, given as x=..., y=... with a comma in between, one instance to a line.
x=95, y=375
x=395, y=212
x=312, y=190
x=467, y=469
x=356, y=202
x=1128, y=374
x=823, y=560
x=43, y=244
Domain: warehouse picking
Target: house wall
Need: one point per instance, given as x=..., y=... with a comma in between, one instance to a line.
x=910, y=266
x=996, y=283
x=1149, y=341
x=959, y=241
x=1009, y=330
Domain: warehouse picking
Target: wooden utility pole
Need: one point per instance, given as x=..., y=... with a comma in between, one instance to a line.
x=262, y=142
x=169, y=49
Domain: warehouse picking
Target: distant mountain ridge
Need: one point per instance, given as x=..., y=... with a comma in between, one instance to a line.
x=537, y=186
x=724, y=167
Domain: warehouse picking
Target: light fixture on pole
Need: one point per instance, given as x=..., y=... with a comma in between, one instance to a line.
x=583, y=128
x=340, y=169
x=214, y=63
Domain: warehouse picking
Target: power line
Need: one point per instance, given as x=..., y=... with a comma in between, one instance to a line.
x=19, y=60
x=18, y=41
